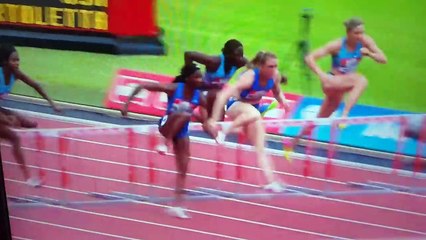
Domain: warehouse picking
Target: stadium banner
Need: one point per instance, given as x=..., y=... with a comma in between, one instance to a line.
x=111, y=26
x=121, y=18
x=374, y=136
x=151, y=103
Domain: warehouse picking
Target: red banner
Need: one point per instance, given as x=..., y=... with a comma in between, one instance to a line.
x=132, y=17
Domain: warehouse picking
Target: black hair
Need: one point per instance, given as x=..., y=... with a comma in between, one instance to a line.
x=353, y=23
x=5, y=51
x=230, y=46
x=185, y=72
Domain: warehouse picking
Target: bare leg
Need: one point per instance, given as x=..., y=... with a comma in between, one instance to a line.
x=13, y=138
x=256, y=135
x=174, y=124
x=255, y=132
x=353, y=83
x=242, y=114
x=181, y=149
x=169, y=127
x=354, y=94
x=211, y=98
x=24, y=122
x=329, y=105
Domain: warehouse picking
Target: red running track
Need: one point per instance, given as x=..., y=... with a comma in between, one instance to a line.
x=92, y=166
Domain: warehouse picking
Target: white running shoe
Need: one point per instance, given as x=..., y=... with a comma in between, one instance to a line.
x=161, y=149
x=178, y=212
x=275, y=187
x=220, y=139
x=33, y=182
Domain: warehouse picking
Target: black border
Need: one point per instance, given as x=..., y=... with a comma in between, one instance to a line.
x=5, y=231
x=87, y=42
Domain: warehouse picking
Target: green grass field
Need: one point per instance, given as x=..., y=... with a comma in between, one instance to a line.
x=204, y=25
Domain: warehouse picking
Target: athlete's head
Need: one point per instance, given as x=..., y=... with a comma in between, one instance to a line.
x=267, y=63
x=354, y=29
x=191, y=75
x=9, y=57
x=233, y=51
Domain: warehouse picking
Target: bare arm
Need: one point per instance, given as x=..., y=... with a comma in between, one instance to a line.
x=244, y=82
x=330, y=48
x=206, y=60
x=243, y=62
x=36, y=86
x=373, y=50
x=153, y=87
x=278, y=93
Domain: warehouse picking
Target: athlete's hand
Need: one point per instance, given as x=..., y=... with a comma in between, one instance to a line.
x=324, y=77
x=56, y=109
x=286, y=107
x=365, y=52
x=124, y=111
x=327, y=81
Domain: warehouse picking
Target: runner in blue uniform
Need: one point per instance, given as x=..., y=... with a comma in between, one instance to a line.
x=184, y=95
x=346, y=54
x=9, y=74
x=244, y=109
x=218, y=69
